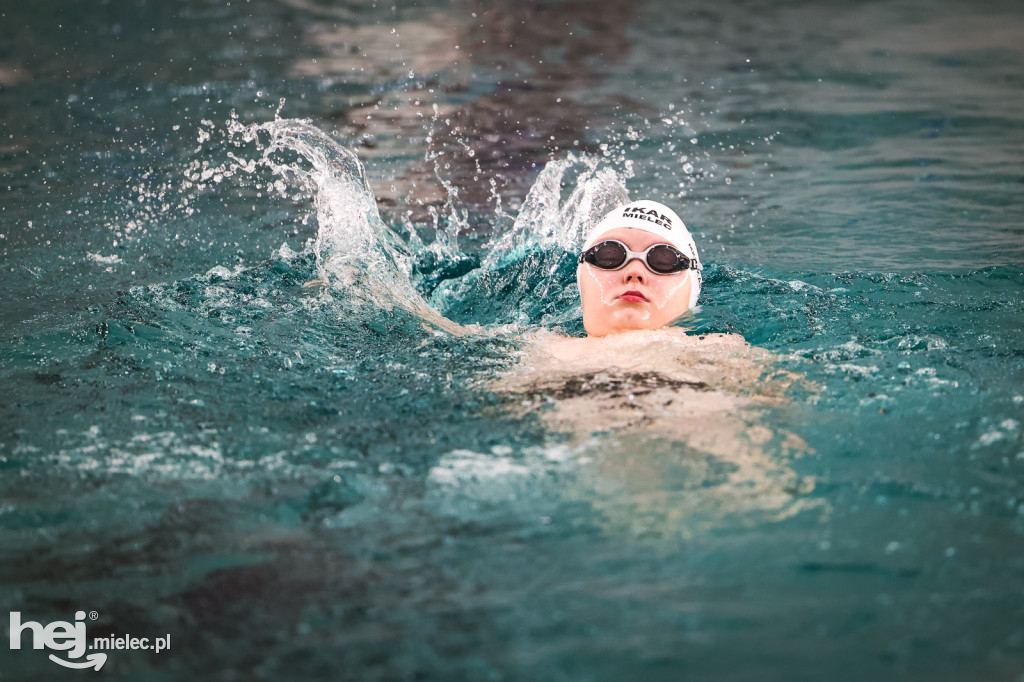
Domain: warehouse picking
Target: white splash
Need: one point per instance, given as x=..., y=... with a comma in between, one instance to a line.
x=357, y=254
x=548, y=221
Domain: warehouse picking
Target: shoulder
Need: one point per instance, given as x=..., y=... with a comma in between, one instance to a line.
x=677, y=336
x=615, y=348
x=729, y=340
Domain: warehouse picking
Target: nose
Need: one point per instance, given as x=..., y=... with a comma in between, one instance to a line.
x=634, y=271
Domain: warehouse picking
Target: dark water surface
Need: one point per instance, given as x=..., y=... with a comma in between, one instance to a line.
x=322, y=482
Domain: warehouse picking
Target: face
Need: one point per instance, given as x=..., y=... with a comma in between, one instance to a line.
x=632, y=297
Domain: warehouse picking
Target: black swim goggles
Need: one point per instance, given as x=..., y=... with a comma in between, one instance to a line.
x=661, y=259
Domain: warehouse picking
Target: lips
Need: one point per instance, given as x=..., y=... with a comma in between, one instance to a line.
x=633, y=296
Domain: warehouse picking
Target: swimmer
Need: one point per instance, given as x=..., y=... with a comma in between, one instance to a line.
x=659, y=399
x=638, y=271
x=638, y=274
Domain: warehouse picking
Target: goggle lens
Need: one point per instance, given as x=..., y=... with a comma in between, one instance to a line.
x=661, y=259
x=608, y=255
x=664, y=259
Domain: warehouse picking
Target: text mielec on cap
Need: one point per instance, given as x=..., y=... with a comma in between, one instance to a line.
x=639, y=269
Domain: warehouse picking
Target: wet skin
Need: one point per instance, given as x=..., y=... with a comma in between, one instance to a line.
x=633, y=297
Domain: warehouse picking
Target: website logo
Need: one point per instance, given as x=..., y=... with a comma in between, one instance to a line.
x=71, y=638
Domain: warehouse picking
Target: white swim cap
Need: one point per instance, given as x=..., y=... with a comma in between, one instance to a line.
x=658, y=219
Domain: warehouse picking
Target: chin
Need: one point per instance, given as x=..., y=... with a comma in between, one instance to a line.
x=621, y=328
x=631, y=320
x=620, y=320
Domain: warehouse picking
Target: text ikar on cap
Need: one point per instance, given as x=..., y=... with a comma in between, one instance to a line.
x=658, y=218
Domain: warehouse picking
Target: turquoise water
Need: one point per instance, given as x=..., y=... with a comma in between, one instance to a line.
x=230, y=415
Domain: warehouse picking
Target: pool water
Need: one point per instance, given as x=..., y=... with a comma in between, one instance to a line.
x=264, y=265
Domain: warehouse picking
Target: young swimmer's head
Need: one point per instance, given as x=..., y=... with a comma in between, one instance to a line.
x=622, y=289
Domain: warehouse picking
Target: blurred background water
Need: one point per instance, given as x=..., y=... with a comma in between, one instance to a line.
x=323, y=482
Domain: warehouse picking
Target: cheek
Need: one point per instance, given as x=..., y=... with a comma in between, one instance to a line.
x=593, y=288
x=672, y=294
